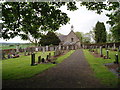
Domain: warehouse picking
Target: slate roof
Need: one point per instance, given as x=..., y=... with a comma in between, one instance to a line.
x=62, y=37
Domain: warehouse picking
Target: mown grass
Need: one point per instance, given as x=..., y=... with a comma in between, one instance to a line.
x=101, y=72
x=18, y=68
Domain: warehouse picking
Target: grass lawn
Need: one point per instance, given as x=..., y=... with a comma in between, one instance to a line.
x=18, y=68
x=101, y=72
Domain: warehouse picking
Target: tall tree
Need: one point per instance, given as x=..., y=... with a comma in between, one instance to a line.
x=114, y=17
x=50, y=39
x=100, y=32
x=30, y=19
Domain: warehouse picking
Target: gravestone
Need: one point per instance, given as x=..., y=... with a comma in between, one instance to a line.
x=39, y=59
x=36, y=49
x=114, y=47
x=107, y=54
x=59, y=47
x=101, y=51
x=116, y=59
x=43, y=49
x=43, y=60
x=32, y=59
x=46, y=48
x=17, y=48
x=108, y=47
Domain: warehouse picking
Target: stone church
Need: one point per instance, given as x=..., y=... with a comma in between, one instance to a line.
x=70, y=41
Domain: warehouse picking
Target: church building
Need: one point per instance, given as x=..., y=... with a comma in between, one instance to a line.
x=70, y=41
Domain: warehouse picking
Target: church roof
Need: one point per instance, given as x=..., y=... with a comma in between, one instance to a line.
x=62, y=37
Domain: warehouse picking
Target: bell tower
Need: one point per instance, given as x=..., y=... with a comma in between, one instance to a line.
x=72, y=28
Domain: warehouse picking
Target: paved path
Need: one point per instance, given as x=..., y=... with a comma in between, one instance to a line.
x=73, y=72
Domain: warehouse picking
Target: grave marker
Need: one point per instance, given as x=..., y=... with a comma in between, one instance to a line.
x=101, y=51
x=32, y=59
x=116, y=59
x=39, y=59
x=107, y=54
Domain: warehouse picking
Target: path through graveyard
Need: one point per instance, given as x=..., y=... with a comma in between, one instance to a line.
x=73, y=72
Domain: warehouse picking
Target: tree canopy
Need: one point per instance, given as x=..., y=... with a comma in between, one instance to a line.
x=100, y=32
x=30, y=19
x=50, y=39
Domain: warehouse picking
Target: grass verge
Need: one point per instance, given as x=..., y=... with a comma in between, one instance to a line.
x=101, y=72
x=18, y=68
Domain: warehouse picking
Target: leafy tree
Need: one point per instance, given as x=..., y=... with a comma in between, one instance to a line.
x=30, y=19
x=50, y=39
x=100, y=32
x=114, y=17
x=110, y=38
x=80, y=36
x=86, y=38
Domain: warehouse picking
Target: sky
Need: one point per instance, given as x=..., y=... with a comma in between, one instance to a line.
x=82, y=19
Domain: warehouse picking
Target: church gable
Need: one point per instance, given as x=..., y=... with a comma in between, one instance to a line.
x=71, y=37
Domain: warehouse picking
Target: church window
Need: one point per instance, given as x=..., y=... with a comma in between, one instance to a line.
x=72, y=39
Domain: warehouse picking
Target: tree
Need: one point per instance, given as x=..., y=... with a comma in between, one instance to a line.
x=86, y=38
x=114, y=17
x=50, y=39
x=80, y=36
x=30, y=19
x=100, y=32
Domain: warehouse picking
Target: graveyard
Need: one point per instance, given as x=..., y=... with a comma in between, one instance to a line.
x=60, y=44
x=21, y=67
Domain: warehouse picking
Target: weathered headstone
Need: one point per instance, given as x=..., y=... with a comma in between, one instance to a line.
x=101, y=51
x=39, y=59
x=46, y=48
x=36, y=49
x=114, y=47
x=59, y=47
x=43, y=49
x=32, y=59
x=107, y=54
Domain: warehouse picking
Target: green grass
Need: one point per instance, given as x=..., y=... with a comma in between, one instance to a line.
x=19, y=68
x=101, y=72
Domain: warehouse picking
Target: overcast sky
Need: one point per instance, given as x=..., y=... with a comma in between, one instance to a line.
x=82, y=20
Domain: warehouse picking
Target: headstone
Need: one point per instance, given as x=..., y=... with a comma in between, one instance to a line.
x=3, y=55
x=46, y=48
x=17, y=48
x=67, y=47
x=108, y=47
x=39, y=59
x=36, y=49
x=32, y=59
x=114, y=47
x=107, y=54
x=101, y=51
x=47, y=58
x=43, y=49
x=43, y=60
x=59, y=47
x=116, y=59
